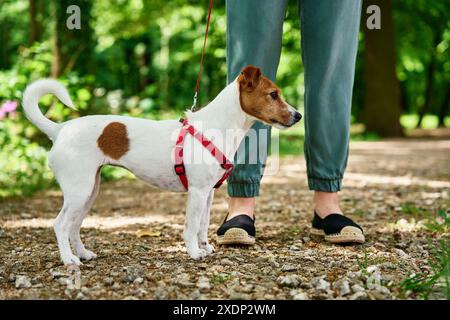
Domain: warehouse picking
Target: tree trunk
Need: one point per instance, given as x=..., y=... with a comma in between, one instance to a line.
x=55, y=68
x=35, y=26
x=74, y=47
x=444, y=109
x=429, y=80
x=404, y=99
x=382, y=95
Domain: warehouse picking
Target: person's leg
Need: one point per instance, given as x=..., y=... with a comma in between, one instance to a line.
x=254, y=32
x=329, y=46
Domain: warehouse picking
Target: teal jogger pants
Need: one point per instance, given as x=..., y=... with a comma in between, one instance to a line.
x=329, y=36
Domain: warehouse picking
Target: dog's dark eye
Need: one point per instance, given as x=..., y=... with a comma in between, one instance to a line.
x=274, y=95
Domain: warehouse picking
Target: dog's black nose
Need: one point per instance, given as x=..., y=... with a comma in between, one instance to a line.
x=297, y=116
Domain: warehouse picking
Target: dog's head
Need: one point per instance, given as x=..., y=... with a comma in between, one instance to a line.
x=261, y=98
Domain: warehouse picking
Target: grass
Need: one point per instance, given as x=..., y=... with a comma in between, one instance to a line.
x=221, y=278
x=364, y=263
x=440, y=224
x=410, y=208
x=437, y=281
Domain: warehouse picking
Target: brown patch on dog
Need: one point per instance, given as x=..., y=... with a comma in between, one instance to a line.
x=114, y=140
x=261, y=98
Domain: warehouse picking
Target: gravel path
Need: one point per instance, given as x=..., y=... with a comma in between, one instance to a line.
x=391, y=188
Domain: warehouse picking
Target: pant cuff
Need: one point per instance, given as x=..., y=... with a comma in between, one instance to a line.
x=325, y=185
x=244, y=190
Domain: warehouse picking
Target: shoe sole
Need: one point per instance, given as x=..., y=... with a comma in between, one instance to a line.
x=236, y=236
x=347, y=235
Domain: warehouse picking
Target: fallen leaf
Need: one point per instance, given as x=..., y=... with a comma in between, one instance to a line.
x=148, y=233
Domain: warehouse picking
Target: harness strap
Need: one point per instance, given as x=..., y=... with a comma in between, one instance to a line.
x=208, y=144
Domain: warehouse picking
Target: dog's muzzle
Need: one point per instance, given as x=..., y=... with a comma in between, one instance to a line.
x=297, y=117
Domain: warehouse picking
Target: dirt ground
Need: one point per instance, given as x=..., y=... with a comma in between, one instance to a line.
x=392, y=188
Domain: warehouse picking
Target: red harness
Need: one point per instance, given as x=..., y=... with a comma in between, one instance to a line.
x=178, y=154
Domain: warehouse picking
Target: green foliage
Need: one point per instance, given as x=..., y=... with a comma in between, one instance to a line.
x=23, y=164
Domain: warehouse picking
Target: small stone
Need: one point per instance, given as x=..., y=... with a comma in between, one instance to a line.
x=68, y=292
x=22, y=282
x=66, y=282
x=79, y=296
x=357, y=288
x=195, y=295
x=342, y=286
x=373, y=269
x=402, y=254
x=373, y=281
x=388, y=265
x=292, y=281
x=109, y=281
x=358, y=296
x=238, y=296
x=273, y=263
x=320, y=283
x=138, y=280
x=382, y=290
x=161, y=293
x=298, y=295
x=203, y=284
x=226, y=262
x=203, y=266
x=247, y=288
x=183, y=280
x=288, y=267
x=58, y=274
x=133, y=272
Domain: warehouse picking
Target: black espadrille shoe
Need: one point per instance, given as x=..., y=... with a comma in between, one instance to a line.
x=337, y=229
x=239, y=230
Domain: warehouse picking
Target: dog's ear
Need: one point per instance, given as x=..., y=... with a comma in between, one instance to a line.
x=250, y=77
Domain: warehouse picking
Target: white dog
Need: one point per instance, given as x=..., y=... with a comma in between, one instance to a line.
x=82, y=146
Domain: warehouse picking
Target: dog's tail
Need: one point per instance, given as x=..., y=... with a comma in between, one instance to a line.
x=31, y=97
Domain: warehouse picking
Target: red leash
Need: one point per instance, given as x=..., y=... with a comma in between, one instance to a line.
x=197, y=86
x=179, y=167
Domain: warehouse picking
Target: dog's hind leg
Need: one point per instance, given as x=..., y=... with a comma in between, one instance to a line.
x=196, y=205
x=77, y=184
x=75, y=239
x=204, y=225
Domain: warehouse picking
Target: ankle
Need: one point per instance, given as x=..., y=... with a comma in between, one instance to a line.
x=326, y=203
x=238, y=206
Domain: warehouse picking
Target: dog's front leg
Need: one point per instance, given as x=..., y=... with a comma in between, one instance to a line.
x=196, y=206
x=204, y=225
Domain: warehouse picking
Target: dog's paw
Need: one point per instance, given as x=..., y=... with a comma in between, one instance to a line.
x=197, y=253
x=208, y=247
x=87, y=255
x=71, y=260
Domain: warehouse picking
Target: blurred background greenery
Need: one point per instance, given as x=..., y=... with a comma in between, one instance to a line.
x=140, y=58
